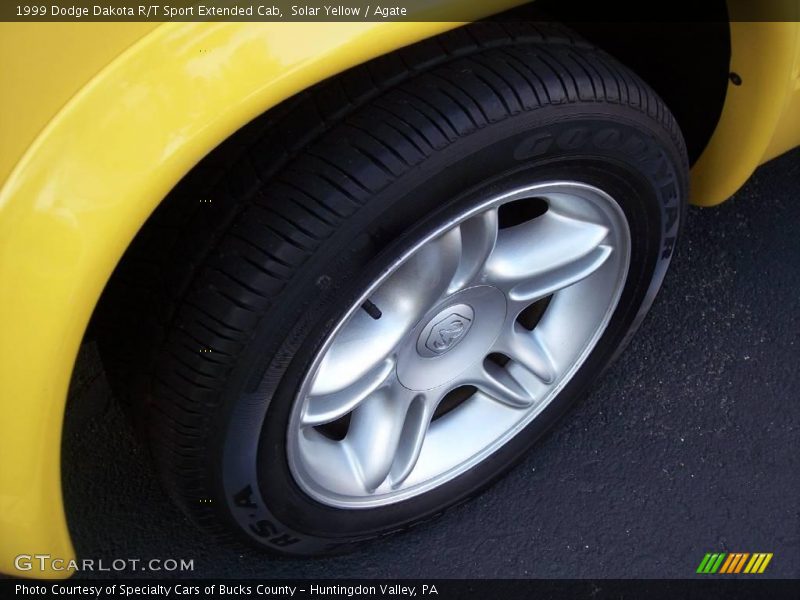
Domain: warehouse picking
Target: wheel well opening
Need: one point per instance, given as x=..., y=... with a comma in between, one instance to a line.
x=686, y=62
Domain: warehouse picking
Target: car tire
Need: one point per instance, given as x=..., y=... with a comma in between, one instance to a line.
x=555, y=177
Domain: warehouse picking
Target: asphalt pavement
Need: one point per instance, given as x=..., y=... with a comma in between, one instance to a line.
x=689, y=444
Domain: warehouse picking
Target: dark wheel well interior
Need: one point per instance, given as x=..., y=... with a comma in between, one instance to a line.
x=686, y=63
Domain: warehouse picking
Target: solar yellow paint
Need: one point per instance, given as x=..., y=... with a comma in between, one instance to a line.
x=761, y=117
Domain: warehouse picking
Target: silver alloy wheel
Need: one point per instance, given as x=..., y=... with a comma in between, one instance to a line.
x=444, y=317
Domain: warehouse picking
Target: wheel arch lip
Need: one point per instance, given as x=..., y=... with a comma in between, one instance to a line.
x=84, y=187
x=757, y=105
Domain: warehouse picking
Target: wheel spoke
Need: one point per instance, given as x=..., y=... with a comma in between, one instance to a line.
x=417, y=420
x=330, y=407
x=478, y=236
x=497, y=383
x=528, y=349
x=549, y=253
x=560, y=277
x=365, y=341
x=378, y=434
x=430, y=269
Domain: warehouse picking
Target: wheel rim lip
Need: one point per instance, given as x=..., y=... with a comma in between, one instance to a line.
x=298, y=469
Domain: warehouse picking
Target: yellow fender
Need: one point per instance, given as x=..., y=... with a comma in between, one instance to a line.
x=761, y=116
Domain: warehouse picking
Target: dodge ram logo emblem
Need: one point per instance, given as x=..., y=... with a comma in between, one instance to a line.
x=447, y=333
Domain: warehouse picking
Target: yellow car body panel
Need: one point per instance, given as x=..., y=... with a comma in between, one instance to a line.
x=760, y=118
x=41, y=77
x=99, y=121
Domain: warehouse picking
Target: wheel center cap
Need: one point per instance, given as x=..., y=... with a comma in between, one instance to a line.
x=445, y=330
x=457, y=335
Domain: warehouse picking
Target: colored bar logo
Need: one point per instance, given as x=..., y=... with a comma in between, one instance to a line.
x=736, y=562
